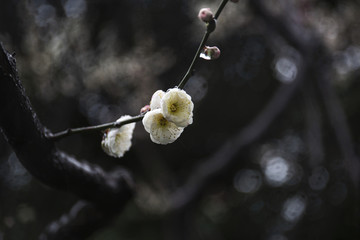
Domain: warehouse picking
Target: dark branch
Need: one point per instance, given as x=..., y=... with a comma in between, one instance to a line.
x=313, y=126
x=76, y=224
x=26, y=135
x=337, y=118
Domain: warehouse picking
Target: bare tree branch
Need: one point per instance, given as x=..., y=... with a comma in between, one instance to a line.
x=313, y=125
x=337, y=119
x=24, y=132
x=82, y=217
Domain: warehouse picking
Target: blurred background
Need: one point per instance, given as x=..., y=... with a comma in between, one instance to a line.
x=88, y=62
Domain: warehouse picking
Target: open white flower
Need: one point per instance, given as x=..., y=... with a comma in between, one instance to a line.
x=118, y=140
x=177, y=107
x=156, y=99
x=161, y=130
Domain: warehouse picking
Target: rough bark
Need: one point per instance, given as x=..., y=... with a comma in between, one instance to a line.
x=106, y=193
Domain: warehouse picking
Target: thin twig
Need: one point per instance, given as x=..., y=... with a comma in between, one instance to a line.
x=196, y=57
x=221, y=7
x=209, y=29
x=71, y=131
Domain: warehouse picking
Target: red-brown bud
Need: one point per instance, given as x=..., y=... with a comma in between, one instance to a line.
x=145, y=109
x=205, y=14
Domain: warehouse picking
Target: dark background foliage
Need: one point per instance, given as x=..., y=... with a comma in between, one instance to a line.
x=89, y=62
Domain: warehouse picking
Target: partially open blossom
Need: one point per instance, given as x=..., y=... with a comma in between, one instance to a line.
x=210, y=53
x=156, y=99
x=205, y=14
x=117, y=141
x=177, y=107
x=161, y=130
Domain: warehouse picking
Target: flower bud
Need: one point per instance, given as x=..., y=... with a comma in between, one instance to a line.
x=145, y=109
x=205, y=15
x=210, y=53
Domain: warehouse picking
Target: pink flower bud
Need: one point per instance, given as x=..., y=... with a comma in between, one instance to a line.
x=205, y=14
x=210, y=53
x=145, y=109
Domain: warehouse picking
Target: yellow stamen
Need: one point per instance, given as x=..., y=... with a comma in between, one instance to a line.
x=173, y=107
x=162, y=122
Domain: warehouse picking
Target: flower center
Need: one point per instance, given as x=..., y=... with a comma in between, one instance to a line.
x=162, y=122
x=173, y=108
x=118, y=138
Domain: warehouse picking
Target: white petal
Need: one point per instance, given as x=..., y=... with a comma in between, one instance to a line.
x=161, y=131
x=127, y=127
x=204, y=56
x=155, y=99
x=118, y=140
x=177, y=107
x=147, y=120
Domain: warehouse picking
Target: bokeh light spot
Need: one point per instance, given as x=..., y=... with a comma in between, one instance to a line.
x=348, y=60
x=25, y=213
x=45, y=15
x=337, y=193
x=247, y=181
x=319, y=178
x=276, y=170
x=286, y=69
x=197, y=88
x=74, y=8
x=293, y=208
x=14, y=175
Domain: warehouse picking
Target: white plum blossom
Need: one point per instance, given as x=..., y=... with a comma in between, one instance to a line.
x=161, y=130
x=156, y=99
x=117, y=141
x=177, y=107
x=169, y=113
